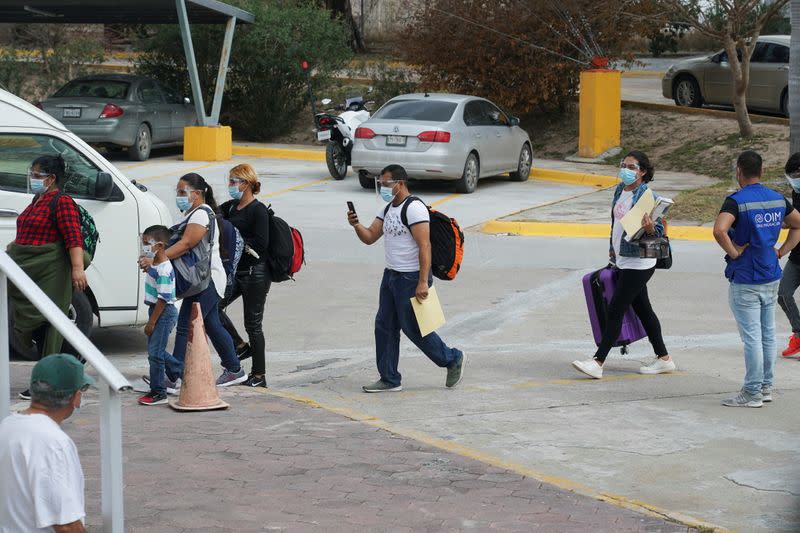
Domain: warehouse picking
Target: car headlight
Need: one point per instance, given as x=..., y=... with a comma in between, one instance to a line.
x=670, y=71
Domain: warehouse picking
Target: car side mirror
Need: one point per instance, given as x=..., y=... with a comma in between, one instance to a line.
x=513, y=121
x=103, y=186
x=187, y=100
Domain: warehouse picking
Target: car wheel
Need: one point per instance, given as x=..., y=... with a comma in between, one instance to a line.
x=785, y=103
x=469, y=179
x=80, y=312
x=687, y=93
x=336, y=160
x=140, y=150
x=366, y=181
x=523, y=165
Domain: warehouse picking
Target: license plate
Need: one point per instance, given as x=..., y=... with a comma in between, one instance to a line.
x=71, y=112
x=395, y=140
x=323, y=135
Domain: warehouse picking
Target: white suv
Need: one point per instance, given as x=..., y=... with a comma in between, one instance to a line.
x=121, y=210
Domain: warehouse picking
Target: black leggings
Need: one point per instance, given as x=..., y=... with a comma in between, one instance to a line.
x=631, y=291
x=252, y=285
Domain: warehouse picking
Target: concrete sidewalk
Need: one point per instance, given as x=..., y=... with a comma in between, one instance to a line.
x=270, y=463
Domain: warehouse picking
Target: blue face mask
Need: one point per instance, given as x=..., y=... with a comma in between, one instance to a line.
x=628, y=176
x=387, y=194
x=795, y=183
x=37, y=186
x=235, y=193
x=182, y=202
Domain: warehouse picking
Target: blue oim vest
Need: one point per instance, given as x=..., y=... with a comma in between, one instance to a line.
x=761, y=212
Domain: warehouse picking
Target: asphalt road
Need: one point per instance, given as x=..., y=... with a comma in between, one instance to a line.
x=517, y=309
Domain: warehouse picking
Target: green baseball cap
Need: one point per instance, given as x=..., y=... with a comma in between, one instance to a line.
x=62, y=372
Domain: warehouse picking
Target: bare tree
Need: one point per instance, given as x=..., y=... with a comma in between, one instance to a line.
x=736, y=24
x=794, y=79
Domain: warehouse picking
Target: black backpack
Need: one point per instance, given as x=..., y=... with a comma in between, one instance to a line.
x=286, y=250
x=447, y=240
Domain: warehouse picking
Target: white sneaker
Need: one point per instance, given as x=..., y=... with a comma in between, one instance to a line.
x=659, y=366
x=590, y=367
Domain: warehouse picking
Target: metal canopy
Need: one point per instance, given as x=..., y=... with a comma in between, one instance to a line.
x=118, y=12
x=182, y=12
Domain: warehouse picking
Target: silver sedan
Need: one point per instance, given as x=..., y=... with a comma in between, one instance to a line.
x=122, y=111
x=443, y=137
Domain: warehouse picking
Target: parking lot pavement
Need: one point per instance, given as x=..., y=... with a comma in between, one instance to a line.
x=274, y=464
x=518, y=310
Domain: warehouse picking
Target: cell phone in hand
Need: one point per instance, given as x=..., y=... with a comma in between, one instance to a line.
x=351, y=207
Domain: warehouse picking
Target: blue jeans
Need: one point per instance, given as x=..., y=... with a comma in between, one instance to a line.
x=158, y=356
x=220, y=338
x=753, y=307
x=394, y=314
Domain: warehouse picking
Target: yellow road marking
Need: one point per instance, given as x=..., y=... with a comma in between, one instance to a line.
x=492, y=460
x=180, y=172
x=294, y=188
x=445, y=199
x=582, y=381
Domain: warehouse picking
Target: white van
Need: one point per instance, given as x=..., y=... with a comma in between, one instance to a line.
x=121, y=210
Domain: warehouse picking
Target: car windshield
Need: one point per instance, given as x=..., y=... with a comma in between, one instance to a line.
x=427, y=110
x=94, y=89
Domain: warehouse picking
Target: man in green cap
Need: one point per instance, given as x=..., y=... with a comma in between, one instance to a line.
x=42, y=483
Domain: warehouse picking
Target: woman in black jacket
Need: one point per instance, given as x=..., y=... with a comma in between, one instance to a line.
x=251, y=280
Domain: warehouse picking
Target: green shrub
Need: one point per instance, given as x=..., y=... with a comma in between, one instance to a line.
x=266, y=88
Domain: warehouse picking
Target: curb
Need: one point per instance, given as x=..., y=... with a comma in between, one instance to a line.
x=643, y=73
x=279, y=153
x=574, y=178
x=588, y=231
x=649, y=106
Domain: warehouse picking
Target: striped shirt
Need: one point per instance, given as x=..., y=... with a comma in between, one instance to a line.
x=159, y=283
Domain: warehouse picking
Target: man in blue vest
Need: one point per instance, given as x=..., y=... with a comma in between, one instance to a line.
x=747, y=228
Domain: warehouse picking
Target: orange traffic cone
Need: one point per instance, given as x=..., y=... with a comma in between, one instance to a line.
x=199, y=389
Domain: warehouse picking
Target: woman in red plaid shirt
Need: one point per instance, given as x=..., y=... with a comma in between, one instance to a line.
x=49, y=248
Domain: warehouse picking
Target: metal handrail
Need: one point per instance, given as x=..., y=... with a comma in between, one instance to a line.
x=112, y=382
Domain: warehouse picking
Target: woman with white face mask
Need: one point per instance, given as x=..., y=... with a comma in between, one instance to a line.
x=790, y=279
x=49, y=248
x=251, y=280
x=635, y=173
x=194, y=197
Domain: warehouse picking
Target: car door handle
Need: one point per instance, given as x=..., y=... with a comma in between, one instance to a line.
x=477, y=135
x=8, y=213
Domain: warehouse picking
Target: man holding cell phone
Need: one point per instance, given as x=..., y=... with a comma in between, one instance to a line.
x=407, y=275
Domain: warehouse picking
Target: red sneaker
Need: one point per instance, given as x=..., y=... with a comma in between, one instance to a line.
x=793, y=348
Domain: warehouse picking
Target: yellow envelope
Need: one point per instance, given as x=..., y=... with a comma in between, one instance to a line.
x=430, y=316
x=632, y=221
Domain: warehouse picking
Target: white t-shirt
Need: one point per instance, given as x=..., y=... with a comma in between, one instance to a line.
x=42, y=481
x=621, y=208
x=402, y=252
x=200, y=216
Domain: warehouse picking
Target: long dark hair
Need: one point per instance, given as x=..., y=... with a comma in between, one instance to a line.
x=199, y=183
x=52, y=165
x=644, y=164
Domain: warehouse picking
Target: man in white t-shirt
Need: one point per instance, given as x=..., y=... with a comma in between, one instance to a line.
x=41, y=486
x=405, y=224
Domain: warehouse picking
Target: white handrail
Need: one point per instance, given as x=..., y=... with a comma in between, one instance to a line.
x=111, y=383
x=63, y=324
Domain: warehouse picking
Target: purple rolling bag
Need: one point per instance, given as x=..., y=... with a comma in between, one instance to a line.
x=599, y=287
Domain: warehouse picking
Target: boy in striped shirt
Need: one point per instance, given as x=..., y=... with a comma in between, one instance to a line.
x=159, y=295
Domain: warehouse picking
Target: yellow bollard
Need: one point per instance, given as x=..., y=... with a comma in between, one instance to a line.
x=599, y=109
x=207, y=143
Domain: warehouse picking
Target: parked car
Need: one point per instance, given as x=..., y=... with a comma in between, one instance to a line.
x=122, y=111
x=443, y=137
x=121, y=210
x=708, y=80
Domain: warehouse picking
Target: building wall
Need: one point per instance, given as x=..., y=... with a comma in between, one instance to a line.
x=383, y=19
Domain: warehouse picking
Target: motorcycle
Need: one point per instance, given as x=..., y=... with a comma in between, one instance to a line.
x=338, y=131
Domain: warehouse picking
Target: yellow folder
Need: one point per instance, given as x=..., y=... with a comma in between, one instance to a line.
x=632, y=221
x=430, y=316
